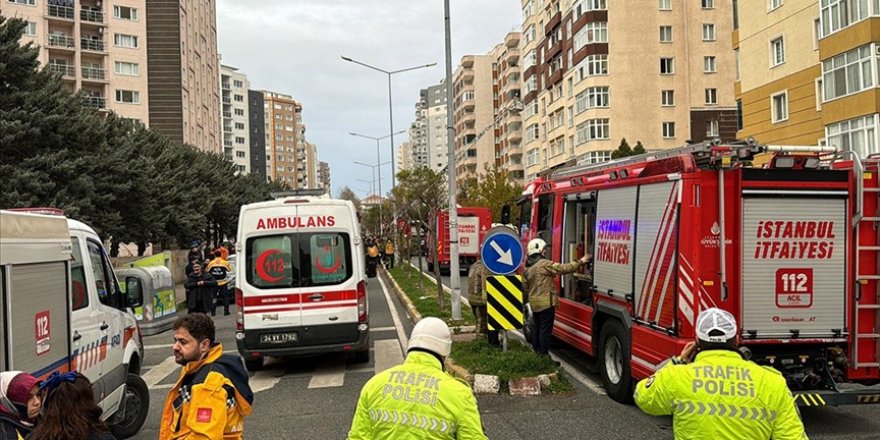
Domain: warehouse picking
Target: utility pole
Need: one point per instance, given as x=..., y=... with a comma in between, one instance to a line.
x=454, y=276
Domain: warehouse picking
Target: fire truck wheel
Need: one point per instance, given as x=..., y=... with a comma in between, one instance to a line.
x=614, y=360
x=137, y=405
x=254, y=364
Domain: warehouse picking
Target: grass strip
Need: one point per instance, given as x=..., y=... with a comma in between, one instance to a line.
x=519, y=361
x=423, y=293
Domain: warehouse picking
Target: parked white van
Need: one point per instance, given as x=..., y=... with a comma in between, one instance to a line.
x=300, y=280
x=61, y=309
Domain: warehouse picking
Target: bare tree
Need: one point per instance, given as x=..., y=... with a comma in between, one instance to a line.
x=347, y=194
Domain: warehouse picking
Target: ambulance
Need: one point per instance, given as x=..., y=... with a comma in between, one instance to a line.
x=61, y=309
x=301, y=285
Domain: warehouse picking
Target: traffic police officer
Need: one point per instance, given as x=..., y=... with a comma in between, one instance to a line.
x=417, y=399
x=720, y=395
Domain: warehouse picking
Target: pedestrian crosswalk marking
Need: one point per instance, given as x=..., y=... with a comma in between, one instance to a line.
x=504, y=302
x=386, y=354
x=687, y=407
x=328, y=376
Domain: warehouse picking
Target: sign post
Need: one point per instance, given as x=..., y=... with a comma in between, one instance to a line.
x=502, y=253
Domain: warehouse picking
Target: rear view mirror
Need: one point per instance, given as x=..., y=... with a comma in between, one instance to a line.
x=133, y=292
x=505, y=214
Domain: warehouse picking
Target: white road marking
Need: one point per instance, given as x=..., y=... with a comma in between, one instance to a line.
x=381, y=329
x=263, y=380
x=401, y=335
x=159, y=372
x=157, y=346
x=386, y=354
x=164, y=386
x=328, y=375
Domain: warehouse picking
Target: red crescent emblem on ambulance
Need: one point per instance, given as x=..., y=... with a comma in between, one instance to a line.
x=328, y=270
x=261, y=266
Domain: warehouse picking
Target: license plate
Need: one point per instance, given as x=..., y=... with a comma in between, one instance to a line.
x=278, y=338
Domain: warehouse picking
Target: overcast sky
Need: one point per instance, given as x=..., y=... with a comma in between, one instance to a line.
x=294, y=47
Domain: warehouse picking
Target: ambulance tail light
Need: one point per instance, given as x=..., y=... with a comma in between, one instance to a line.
x=239, y=313
x=362, y=301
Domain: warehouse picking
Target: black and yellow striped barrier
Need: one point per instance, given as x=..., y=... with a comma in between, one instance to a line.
x=836, y=398
x=809, y=399
x=869, y=398
x=504, y=302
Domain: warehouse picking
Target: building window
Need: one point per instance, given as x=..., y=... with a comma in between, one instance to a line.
x=708, y=32
x=239, y=126
x=779, y=107
x=667, y=66
x=712, y=128
x=239, y=98
x=739, y=114
x=239, y=112
x=736, y=64
x=711, y=96
x=598, y=156
x=859, y=135
x=123, y=40
x=773, y=4
x=240, y=154
x=838, y=14
x=529, y=34
x=777, y=51
x=847, y=73
x=709, y=64
x=593, y=129
x=817, y=33
x=598, y=97
x=708, y=4
x=668, y=130
x=667, y=98
x=665, y=5
x=128, y=96
x=239, y=140
x=532, y=133
x=237, y=84
x=593, y=32
x=530, y=59
x=592, y=65
x=125, y=13
x=123, y=68
x=24, y=2
x=31, y=29
x=666, y=34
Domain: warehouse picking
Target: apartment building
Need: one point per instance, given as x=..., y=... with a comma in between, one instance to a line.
x=236, y=132
x=428, y=132
x=311, y=180
x=405, y=156
x=508, y=127
x=324, y=176
x=184, y=72
x=286, y=153
x=99, y=47
x=257, y=124
x=595, y=72
x=808, y=73
x=474, y=110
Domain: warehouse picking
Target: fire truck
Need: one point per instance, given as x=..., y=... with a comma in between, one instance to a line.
x=472, y=226
x=790, y=248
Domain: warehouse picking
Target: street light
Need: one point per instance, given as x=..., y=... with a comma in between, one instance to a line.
x=371, y=182
x=390, y=106
x=374, y=167
x=377, y=139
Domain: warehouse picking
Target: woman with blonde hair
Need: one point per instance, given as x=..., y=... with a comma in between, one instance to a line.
x=69, y=410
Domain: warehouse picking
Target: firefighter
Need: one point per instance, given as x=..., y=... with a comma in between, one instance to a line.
x=540, y=290
x=718, y=394
x=417, y=399
x=219, y=268
x=477, y=278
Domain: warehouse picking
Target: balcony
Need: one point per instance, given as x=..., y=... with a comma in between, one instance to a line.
x=98, y=102
x=554, y=21
x=91, y=15
x=226, y=100
x=61, y=42
x=93, y=45
x=66, y=70
x=94, y=73
x=227, y=115
x=62, y=12
x=225, y=86
x=227, y=144
x=512, y=39
x=227, y=129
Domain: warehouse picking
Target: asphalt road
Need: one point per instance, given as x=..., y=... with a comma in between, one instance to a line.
x=314, y=398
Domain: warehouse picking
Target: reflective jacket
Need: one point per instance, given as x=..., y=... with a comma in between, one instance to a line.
x=416, y=400
x=209, y=401
x=219, y=269
x=389, y=248
x=722, y=396
x=477, y=277
x=539, y=281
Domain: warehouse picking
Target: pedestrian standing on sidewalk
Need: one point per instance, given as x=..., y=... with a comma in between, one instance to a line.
x=212, y=396
x=417, y=399
x=478, y=276
x=372, y=258
x=389, y=254
x=20, y=402
x=540, y=288
x=219, y=269
x=69, y=410
x=201, y=285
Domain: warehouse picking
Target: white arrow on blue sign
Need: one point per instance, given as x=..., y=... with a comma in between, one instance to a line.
x=502, y=251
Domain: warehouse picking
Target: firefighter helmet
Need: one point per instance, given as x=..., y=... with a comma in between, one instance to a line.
x=536, y=246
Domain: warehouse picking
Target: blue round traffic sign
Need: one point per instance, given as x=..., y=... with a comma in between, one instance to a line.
x=502, y=251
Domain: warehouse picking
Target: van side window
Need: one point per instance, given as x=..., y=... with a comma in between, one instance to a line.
x=79, y=295
x=103, y=276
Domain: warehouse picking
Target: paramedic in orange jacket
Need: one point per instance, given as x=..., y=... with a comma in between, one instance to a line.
x=211, y=397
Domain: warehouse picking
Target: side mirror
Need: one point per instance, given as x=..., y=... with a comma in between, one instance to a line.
x=133, y=292
x=505, y=214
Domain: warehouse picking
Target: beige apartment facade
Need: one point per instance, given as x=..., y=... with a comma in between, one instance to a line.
x=234, y=86
x=97, y=47
x=184, y=72
x=286, y=159
x=809, y=73
x=591, y=79
x=474, y=104
x=508, y=128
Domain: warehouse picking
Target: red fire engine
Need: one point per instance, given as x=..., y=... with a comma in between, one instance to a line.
x=790, y=249
x=472, y=226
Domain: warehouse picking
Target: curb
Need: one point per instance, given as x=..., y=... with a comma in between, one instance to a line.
x=458, y=371
x=446, y=288
x=414, y=312
x=462, y=373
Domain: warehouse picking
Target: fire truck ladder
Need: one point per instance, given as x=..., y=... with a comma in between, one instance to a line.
x=863, y=168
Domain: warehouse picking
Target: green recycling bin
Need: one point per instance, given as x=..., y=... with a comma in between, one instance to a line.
x=150, y=293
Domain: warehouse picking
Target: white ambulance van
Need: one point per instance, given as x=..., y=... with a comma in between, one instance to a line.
x=61, y=310
x=300, y=280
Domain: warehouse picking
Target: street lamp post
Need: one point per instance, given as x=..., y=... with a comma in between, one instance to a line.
x=454, y=275
x=374, y=167
x=390, y=106
x=378, y=159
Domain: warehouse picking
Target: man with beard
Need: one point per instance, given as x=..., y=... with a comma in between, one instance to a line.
x=211, y=397
x=202, y=286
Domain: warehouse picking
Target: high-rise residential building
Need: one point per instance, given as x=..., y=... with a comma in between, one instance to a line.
x=508, y=107
x=324, y=176
x=99, y=47
x=286, y=159
x=418, y=142
x=184, y=72
x=236, y=132
x=474, y=98
x=257, y=123
x=405, y=156
x=808, y=73
x=311, y=179
x=589, y=81
x=428, y=132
